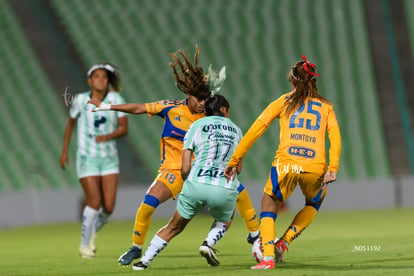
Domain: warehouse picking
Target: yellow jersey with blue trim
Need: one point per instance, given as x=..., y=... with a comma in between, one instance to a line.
x=302, y=136
x=177, y=120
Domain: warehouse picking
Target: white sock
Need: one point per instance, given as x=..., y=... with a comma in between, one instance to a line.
x=155, y=247
x=89, y=217
x=101, y=220
x=217, y=232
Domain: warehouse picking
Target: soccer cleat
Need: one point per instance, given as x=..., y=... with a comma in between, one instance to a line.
x=86, y=252
x=139, y=266
x=251, y=239
x=132, y=254
x=280, y=248
x=265, y=265
x=92, y=243
x=209, y=253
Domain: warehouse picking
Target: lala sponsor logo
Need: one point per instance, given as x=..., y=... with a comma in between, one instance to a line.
x=211, y=172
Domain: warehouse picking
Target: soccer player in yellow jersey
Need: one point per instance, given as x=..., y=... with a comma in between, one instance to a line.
x=304, y=117
x=178, y=116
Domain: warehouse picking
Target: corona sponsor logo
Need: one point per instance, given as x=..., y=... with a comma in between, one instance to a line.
x=210, y=127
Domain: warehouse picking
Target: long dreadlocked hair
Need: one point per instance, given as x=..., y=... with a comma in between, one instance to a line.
x=303, y=77
x=190, y=79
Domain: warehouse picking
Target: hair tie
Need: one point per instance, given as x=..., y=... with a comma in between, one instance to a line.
x=305, y=66
x=105, y=66
x=215, y=80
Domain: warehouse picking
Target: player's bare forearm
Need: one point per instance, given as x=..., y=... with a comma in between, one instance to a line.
x=133, y=108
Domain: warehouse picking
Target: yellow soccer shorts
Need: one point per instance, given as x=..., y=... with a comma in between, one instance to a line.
x=172, y=179
x=281, y=186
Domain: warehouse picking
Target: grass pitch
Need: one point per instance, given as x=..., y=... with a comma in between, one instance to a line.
x=379, y=242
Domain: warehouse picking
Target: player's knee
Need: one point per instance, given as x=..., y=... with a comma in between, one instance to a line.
x=316, y=201
x=314, y=205
x=108, y=209
x=318, y=197
x=94, y=203
x=151, y=200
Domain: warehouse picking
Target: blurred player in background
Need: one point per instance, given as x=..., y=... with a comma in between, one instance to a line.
x=178, y=116
x=97, y=163
x=305, y=117
x=212, y=139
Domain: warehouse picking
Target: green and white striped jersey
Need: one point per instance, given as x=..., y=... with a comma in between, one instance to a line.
x=213, y=140
x=91, y=124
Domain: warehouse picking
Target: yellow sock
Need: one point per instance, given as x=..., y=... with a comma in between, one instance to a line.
x=302, y=220
x=142, y=223
x=247, y=212
x=268, y=233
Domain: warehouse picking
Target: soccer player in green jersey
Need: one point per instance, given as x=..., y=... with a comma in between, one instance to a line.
x=97, y=163
x=177, y=116
x=212, y=140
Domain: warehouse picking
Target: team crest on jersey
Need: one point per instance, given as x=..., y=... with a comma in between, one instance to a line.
x=177, y=118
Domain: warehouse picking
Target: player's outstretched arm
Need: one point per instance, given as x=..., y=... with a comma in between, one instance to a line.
x=133, y=108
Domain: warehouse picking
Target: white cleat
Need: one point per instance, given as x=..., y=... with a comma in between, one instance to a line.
x=209, y=253
x=92, y=243
x=86, y=252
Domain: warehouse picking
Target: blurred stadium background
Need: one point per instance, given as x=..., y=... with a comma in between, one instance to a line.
x=363, y=50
